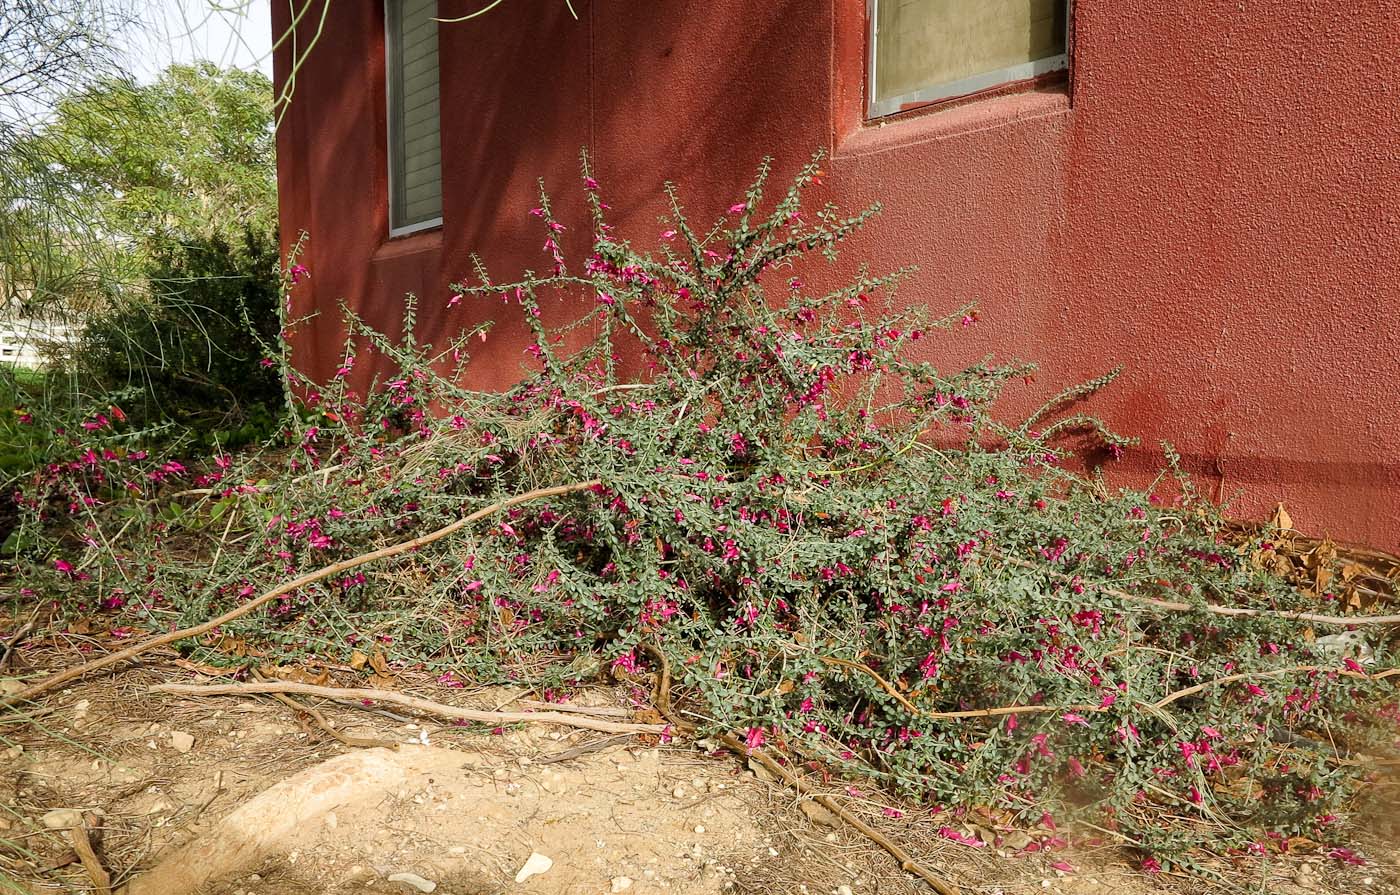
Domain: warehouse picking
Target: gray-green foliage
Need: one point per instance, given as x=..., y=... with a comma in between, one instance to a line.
x=799, y=509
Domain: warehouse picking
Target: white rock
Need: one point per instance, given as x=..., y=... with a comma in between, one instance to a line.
x=180, y=741
x=621, y=884
x=844, y=890
x=62, y=819
x=534, y=866
x=700, y=829
x=414, y=880
x=678, y=792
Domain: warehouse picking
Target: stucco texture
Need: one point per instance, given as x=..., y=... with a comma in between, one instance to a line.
x=1212, y=201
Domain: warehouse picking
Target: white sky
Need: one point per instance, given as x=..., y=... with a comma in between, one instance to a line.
x=227, y=32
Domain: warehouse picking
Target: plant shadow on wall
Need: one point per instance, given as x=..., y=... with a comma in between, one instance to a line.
x=815, y=544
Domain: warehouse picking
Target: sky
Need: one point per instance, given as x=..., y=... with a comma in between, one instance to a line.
x=228, y=32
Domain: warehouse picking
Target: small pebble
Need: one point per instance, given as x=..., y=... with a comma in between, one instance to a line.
x=62, y=819
x=621, y=884
x=414, y=880
x=534, y=866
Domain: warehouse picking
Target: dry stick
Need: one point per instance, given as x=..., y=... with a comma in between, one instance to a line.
x=596, y=710
x=1190, y=691
x=906, y=861
x=965, y=713
x=325, y=725
x=102, y=883
x=1339, y=620
x=870, y=672
x=15, y=639
x=130, y=652
x=733, y=744
x=357, y=696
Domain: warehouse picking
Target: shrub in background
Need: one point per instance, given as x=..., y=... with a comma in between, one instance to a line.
x=190, y=354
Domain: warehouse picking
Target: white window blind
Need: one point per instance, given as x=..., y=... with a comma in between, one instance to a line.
x=415, y=146
x=925, y=50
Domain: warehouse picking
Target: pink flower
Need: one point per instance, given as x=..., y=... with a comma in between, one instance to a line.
x=626, y=662
x=962, y=838
x=738, y=207
x=753, y=737
x=1346, y=856
x=299, y=273
x=63, y=566
x=1071, y=718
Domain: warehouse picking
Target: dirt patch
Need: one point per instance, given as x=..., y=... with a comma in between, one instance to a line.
x=463, y=810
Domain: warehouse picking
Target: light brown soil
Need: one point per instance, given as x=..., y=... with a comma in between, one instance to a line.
x=473, y=806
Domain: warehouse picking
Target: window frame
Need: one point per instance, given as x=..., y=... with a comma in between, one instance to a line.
x=952, y=90
x=393, y=62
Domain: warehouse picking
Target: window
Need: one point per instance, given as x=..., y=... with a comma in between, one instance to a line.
x=926, y=50
x=415, y=146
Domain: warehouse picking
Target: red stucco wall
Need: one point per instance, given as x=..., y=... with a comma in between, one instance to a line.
x=1213, y=202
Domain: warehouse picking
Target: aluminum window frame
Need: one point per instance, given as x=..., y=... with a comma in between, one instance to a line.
x=953, y=89
x=393, y=89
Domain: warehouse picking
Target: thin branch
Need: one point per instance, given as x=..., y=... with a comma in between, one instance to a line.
x=1234, y=611
x=72, y=674
x=357, y=696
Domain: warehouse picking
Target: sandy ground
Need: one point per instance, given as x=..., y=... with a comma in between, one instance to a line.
x=468, y=808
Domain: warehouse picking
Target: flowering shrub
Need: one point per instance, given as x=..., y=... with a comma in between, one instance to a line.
x=838, y=548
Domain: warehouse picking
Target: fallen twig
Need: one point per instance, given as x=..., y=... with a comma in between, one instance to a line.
x=15, y=639
x=1236, y=611
x=662, y=698
x=595, y=710
x=870, y=672
x=357, y=695
x=581, y=750
x=101, y=882
x=325, y=725
x=1191, y=691
x=63, y=677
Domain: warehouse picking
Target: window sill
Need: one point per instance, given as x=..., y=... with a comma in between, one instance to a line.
x=410, y=244
x=943, y=122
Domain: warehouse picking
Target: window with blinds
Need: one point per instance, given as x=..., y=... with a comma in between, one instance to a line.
x=927, y=50
x=415, y=147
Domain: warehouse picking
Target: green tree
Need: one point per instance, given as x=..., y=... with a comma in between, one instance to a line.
x=134, y=170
